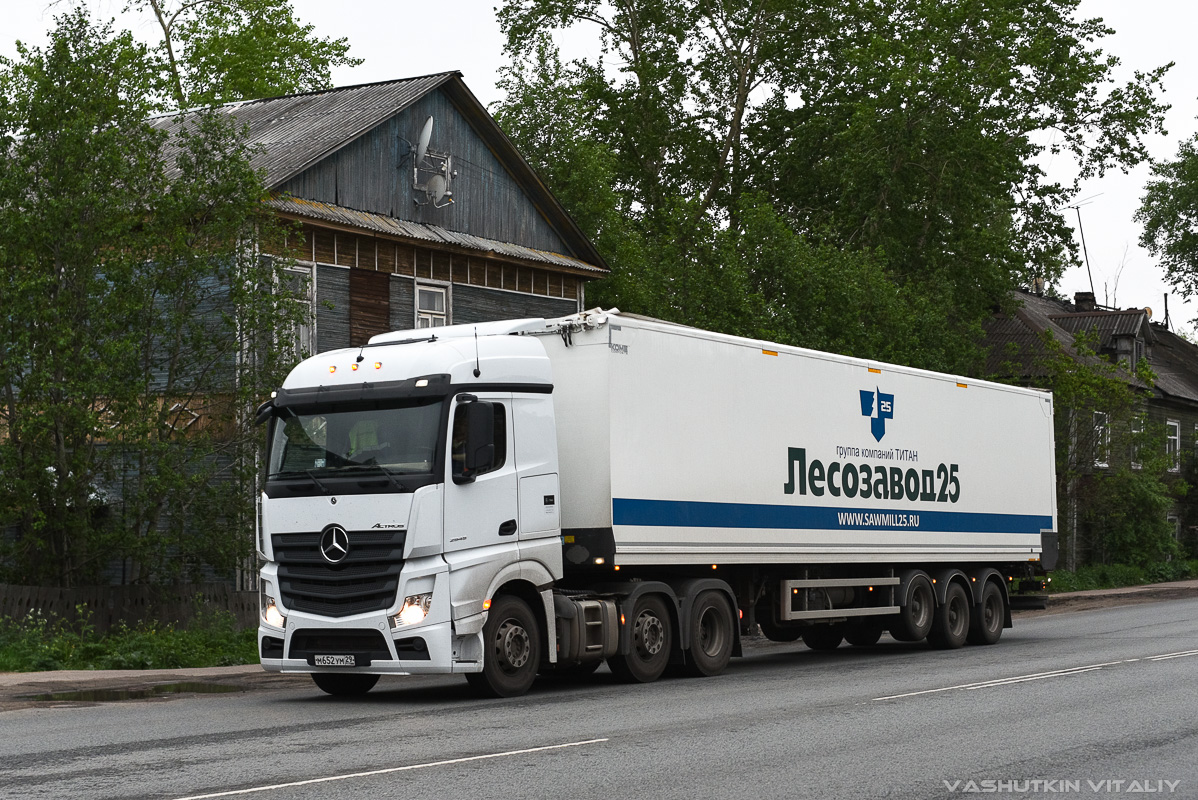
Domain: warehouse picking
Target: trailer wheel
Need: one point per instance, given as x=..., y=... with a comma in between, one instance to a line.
x=950, y=623
x=652, y=640
x=985, y=627
x=341, y=684
x=823, y=637
x=511, y=650
x=863, y=634
x=772, y=630
x=711, y=635
x=914, y=620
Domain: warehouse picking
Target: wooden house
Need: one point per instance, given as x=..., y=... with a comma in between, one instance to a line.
x=411, y=209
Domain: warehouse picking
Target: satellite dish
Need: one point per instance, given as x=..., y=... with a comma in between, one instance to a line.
x=426, y=133
x=436, y=188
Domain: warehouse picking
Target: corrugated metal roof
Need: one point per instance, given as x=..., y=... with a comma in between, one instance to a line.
x=1105, y=323
x=291, y=133
x=379, y=223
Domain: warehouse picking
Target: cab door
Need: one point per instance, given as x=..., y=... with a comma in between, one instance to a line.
x=481, y=509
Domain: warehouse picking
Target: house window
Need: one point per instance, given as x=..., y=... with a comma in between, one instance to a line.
x=298, y=281
x=430, y=307
x=1102, y=439
x=1137, y=432
x=1175, y=521
x=1173, y=444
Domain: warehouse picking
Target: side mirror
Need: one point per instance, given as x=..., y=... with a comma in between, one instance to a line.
x=479, y=453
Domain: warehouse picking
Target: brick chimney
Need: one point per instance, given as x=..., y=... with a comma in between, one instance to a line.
x=1084, y=301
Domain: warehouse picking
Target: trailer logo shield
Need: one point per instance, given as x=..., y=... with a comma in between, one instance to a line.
x=878, y=412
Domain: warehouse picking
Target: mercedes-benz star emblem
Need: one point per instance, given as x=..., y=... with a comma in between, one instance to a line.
x=334, y=544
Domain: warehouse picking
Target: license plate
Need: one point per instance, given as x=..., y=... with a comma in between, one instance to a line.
x=335, y=661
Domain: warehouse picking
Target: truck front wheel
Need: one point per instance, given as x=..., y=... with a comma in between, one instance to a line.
x=511, y=650
x=341, y=684
x=651, y=642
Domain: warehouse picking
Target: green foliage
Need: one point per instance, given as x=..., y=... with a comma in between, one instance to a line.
x=1114, y=576
x=138, y=319
x=38, y=643
x=724, y=145
x=218, y=51
x=1169, y=214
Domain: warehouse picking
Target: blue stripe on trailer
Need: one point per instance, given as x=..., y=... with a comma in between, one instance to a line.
x=688, y=514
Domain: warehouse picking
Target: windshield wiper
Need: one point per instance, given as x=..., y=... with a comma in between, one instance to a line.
x=391, y=476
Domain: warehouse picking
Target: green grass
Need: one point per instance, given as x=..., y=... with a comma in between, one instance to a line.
x=37, y=643
x=1113, y=576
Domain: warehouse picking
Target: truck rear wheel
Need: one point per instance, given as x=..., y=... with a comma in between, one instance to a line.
x=914, y=620
x=863, y=634
x=511, y=650
x=652, y=640
x=985, y=627
x=341, y=684
x=823, y=637
x=950, y=623
x=711, y=635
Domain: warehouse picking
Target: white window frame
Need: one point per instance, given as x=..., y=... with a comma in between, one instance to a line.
x=1102, y=439
x=430, y=318
x=304, y=342
x=1173, y=444
x=1137, y=430
x=1175, y=521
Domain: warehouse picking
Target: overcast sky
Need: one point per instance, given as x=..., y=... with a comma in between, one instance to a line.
x=404, y=38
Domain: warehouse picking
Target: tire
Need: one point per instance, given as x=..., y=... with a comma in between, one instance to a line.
x=571, y=671
x=823, y=637
x=985, y=626
x=914, y=620
x=950, y=623
x=340, y=684
x=711, y=635
x=863, y=634
x=773, y=630
x=511, y=650
x=651, y=640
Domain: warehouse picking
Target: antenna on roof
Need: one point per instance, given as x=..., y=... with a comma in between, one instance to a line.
x=438, y=170
x=1082, y=232
x=477, y=371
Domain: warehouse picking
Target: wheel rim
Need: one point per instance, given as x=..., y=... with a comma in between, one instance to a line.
x=650, y=635
x=956, y=615
x=990, y=612
x=920, y=607
x=711, y=632
x=512, y=645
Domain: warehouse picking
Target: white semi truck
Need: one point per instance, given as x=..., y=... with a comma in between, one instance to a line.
x=514, y=498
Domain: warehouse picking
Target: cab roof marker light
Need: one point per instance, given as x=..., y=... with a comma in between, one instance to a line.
x=353, y=367
x=875, y=371
x=769, y=352
x=332, y=368
x=962, y=385
x=378, y=365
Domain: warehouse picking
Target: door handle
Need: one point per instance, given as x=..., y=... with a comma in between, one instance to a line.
x=507, y=528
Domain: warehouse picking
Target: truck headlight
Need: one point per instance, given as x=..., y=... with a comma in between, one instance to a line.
x=415, y=609
x=271, y=614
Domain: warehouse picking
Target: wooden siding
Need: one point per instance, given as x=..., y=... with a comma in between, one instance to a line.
x=369, y=305
x=403, y=303
x=476, y=304
x=367, y=175
x=332, y=308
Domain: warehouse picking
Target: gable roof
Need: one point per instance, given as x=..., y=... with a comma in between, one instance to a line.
x=289, y=134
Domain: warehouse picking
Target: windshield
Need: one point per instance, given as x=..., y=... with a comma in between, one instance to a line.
x=402, y=440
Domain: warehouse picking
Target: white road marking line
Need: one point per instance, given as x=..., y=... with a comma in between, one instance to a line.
x=372, y=772
x=1059, y=673
x=1166, y=656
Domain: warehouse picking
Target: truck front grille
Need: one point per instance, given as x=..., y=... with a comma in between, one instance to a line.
x=365, y=580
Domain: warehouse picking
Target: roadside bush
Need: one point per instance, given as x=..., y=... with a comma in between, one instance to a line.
x=1112, y=576
x=38, y=643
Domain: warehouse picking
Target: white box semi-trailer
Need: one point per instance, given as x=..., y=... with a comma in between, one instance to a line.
x=517, y=497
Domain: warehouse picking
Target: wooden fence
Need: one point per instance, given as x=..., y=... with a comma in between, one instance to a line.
x=110, y=605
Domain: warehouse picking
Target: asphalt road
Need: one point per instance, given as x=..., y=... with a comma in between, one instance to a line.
x=1101, y=702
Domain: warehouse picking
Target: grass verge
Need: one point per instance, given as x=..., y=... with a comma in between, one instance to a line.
x=37, y=643
x=1114, y=576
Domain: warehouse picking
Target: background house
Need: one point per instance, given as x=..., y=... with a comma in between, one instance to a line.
x=1016, y=348
x=413, y=209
